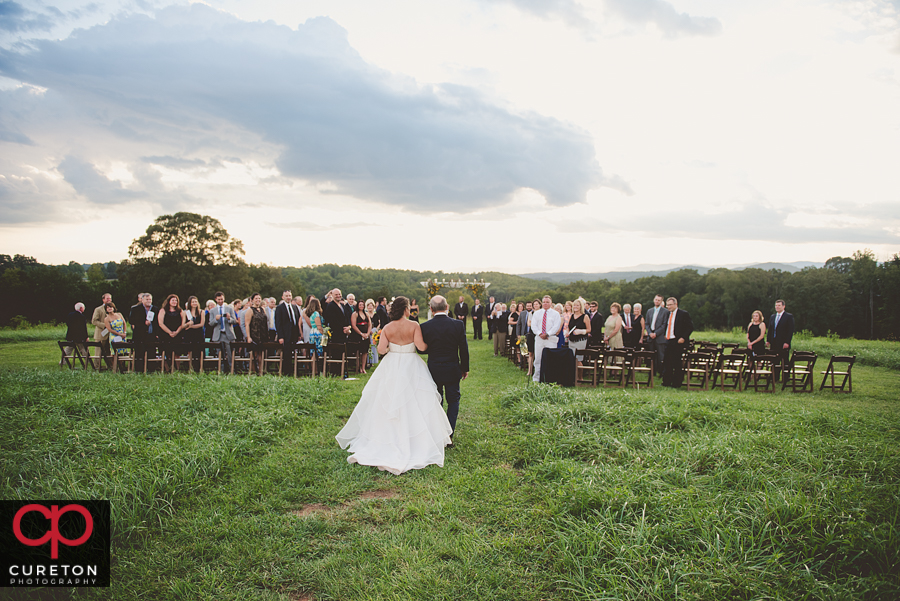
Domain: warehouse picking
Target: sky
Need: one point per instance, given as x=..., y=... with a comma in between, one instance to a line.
x=477, y=135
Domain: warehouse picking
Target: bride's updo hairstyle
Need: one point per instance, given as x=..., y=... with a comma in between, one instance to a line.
x=398, y=308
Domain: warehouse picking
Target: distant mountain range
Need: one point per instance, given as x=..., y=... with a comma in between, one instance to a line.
x=642, y=271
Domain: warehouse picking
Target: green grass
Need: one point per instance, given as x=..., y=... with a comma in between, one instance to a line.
x=234, y=488
x=33, y=333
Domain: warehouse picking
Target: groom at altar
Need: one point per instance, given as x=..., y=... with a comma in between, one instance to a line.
x=448, y=355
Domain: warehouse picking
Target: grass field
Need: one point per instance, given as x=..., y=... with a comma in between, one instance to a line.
x=234, y=488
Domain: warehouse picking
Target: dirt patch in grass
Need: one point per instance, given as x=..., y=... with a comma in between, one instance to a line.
x=313, y=508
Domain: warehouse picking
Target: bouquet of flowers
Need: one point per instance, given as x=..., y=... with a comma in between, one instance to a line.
x=326, y=336
x=376, y=337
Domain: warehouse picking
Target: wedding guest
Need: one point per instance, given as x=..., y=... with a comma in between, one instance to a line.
x=595, y=340
x=101, y=332
x=522, y=323
x=373, y=347
x=115, y=323
x=489, y=311
x=756, y=334
x=560, y=334
x=76, y=331
x=613, y=327
x=287, y=324
x=500, y=317
x=530, y=336
x=477, y=320
x=512, y=322
x=579, y=329
x=361, y=330
x=335, y=318
x=193, y=331
x=305, y=326
x=779, y=334
x=628, y=329
x=143, y=329
x=317, y=329
x=381, y=318
x=222, y=318
x=656, y=321
x=256, y=324
x=208, y=330
x=679, y=328
x=638, y=325
x=545, y=323
x=238, y=305
x=566, y=315
x=270, y=304
x=171, y=321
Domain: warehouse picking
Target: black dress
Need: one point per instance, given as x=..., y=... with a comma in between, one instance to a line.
x=360, y=343
x=193, y=335
x=753, y=333
x=259, y=325
x=172, y=320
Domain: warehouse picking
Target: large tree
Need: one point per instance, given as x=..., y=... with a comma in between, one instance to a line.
x=187, y=238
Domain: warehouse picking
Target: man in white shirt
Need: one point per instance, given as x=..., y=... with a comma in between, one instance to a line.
x=545, y=323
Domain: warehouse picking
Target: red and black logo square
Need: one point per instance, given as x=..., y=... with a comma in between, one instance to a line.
x=54, y=543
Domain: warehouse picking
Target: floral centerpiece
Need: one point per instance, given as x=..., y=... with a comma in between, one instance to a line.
x=476, y=289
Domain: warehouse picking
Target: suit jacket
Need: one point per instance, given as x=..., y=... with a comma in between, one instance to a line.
x=684, y=326
x=597, y=325
x=477, y=312
x=285, y=328
x=381, y=318
x=777, y=337
x=137, y=316
x=448, y=352
x=218, y=335
x=461, y=310
x=661, y=321
x=98, y=320
x=76, y=330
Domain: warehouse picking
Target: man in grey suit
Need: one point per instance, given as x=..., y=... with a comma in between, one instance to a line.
x=222, y=317
x=655, y=324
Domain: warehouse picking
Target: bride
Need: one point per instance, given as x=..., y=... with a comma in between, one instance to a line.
x=398, y=424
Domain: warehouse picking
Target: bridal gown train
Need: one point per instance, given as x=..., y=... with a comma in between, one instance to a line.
x=398, y=424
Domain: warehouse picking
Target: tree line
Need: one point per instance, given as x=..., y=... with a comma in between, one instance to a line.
x=189, y=254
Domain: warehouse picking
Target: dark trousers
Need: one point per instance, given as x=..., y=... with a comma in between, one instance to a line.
x=673, y=372
x=450, y=390
x=476, y=329
x=784, y=358
x=490, y=329
x=658, y=346
x=287, y=352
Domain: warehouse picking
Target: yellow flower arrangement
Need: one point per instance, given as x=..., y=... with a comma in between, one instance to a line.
x=523, y=345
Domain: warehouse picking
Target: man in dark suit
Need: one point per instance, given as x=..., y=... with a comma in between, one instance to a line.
x=679, y=328
x=595, y=338
x=76, y=331
x=336, y=319
x=141, y=318
x=489, y=310
x=461, y=310
x=381, y=317
x=448, y=355
x=655, y=324
x=287, y=330
x=477, y=320
x=779, y=334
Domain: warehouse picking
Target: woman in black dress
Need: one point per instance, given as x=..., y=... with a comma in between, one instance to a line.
x=413, y=310
x=171, y=320
x=256, y=323
x=756, y=334
x=360, y=329
x=193, y=329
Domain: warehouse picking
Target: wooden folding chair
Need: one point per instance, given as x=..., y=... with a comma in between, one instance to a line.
x=268, y=358
x=726, y=346
x=586, y=373
x=305, y=360
x=123, y=354
x=99, y=361
x=213, y=356
x=180, y=356
x=614, y=363
x=731, y=371
x=241, y=357
x=799, y=372
x=335, y=356
x=74, y=354
x=832, y=371
x=698, y=369
x=761, y=367
x=155, y=356
x=642, y=363
x=352, y=357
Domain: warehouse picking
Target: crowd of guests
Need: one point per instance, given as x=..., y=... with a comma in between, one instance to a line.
x=579, y=324
x=538, y=324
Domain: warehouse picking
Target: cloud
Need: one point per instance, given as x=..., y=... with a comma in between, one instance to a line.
x=192, y=80
x=95, y=186
x=662, y=14
x=14, y=18
x=318, y=227
x=750, y=222
x=568, y=11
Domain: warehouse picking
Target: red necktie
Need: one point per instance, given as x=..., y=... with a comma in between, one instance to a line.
x=544, y=324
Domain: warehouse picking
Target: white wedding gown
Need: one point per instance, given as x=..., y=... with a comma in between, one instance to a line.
x=398, y=424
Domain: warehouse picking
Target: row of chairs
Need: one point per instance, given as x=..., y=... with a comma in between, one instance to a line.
x=210, y=357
